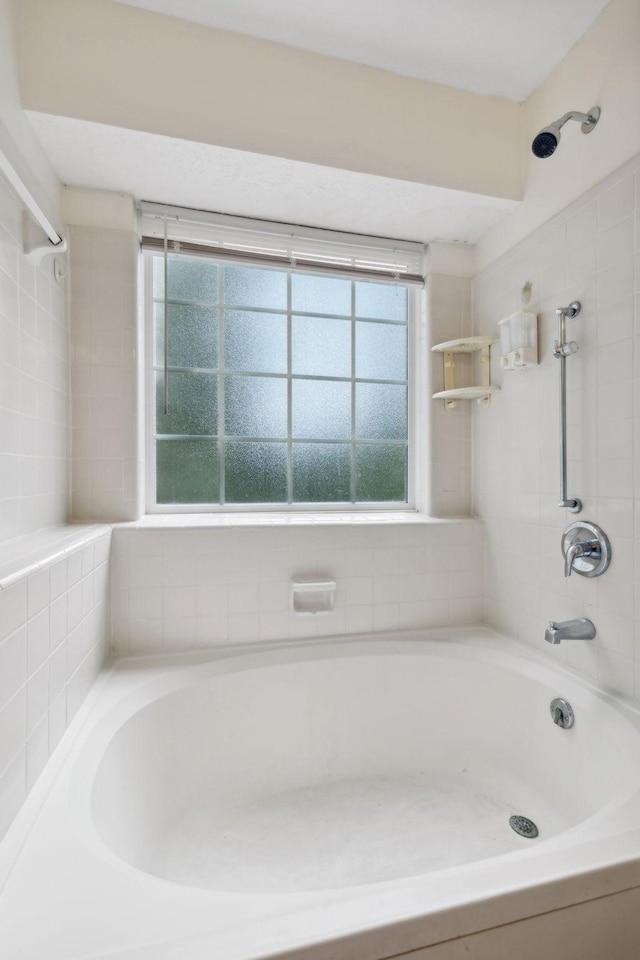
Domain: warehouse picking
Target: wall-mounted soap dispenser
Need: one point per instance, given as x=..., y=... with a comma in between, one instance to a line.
x=518, y=341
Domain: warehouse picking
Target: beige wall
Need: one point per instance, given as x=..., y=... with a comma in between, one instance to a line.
x=113, y=64
x=449, y=299
x=53, y=604
x=34, y=384
x=16, y=135
x=107, y=416
x=576, y=236
x=589, y=252
x=602, y=69
x=34, y=371
x=268, y=98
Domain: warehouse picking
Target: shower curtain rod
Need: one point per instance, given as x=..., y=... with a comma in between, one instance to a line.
x=9, y=160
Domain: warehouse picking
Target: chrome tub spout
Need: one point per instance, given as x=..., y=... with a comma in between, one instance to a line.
x=581, y=629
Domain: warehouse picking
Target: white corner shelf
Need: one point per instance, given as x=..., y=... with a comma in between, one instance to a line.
x=464, y=345
x=480, y=392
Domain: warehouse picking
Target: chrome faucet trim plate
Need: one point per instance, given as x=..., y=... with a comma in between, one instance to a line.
x=586, y=549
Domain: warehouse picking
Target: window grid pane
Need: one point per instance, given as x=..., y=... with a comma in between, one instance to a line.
x=222, y=400
x=289, y=390
x=352, y=494
x=294, y=443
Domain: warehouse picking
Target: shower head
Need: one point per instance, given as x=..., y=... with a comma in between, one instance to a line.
x=545, y=143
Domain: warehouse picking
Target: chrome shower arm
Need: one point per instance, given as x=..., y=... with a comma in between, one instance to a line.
x=588, y=118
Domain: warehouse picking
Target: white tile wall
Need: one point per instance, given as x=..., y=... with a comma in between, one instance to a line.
x=183, y=588
x=53, y=641
x=34, y=421
x=591, y=253
x=103, y=306
x=449, y=309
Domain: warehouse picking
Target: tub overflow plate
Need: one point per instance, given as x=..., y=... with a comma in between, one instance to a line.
x=562, y=713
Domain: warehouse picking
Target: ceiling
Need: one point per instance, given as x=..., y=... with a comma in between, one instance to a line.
x=501, y=47
x=168, y=170
x=506, y=51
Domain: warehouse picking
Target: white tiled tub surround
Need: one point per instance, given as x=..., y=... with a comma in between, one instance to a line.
x=53, y=641
x=103, y=309
x=185, y=587
x=591, y=253
x=34, y=374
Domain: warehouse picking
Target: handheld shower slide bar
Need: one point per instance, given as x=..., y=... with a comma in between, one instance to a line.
x=562, y=350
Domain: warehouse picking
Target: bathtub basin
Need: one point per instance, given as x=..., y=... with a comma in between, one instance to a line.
x=344, y=798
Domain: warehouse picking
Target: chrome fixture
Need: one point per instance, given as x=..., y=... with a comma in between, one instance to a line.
x=562, y=350
x=523, y=826
x=586, y=549
x=581, y=629
x=562, y=713
x=545, y=143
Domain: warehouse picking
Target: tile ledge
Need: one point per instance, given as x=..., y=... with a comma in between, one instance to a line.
x=25, y=555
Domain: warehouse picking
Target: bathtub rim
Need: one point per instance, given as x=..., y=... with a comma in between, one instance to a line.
x=457, y=645
x=616, y=856
x=195, y=661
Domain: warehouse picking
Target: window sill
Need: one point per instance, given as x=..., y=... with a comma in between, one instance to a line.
x=160, y=521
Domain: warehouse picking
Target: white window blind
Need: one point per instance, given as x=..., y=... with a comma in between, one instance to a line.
x=277, y=245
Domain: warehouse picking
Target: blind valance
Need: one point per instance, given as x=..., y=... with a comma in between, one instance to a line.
x=278, y=246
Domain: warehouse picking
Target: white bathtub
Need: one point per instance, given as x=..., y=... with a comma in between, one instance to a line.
x=338, y=799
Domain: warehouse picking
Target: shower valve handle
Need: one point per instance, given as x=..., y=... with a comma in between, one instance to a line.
x=586, y=549
x=580, y=548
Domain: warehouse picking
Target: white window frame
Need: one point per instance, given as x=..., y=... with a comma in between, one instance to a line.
x=415, y=441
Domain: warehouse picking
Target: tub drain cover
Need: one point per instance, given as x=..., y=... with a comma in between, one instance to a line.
x=523, y=826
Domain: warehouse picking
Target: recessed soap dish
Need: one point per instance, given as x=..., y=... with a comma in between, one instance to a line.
x=311, y=597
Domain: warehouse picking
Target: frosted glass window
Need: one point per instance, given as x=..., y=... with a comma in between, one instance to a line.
x=193, y=336
x=188, y=278
x=381, y=351
x=252, y=287
x=187, y=471
x=381, y=472
x=255, y=342
x=381, y=300
x=311, y=294
x=321, y=472
x=296, y=391
x=193, y=404
x=321, y=410
x=321, y=347
x=256, y=472
x=255, y=407
x=381, y=411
